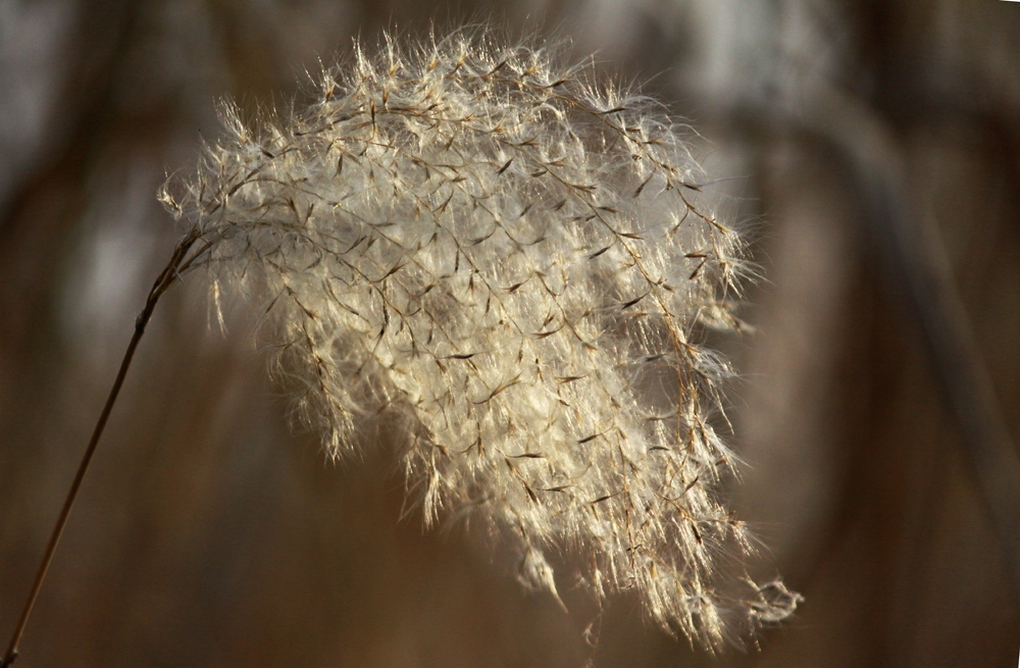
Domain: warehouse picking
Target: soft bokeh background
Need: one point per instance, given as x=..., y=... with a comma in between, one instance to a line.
x=872, y=148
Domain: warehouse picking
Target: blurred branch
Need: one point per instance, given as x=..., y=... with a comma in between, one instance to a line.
x=916, y=262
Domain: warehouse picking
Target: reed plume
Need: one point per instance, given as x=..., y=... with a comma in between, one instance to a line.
x=514, y=263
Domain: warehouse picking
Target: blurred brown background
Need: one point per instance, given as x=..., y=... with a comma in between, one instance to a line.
x=872, y=149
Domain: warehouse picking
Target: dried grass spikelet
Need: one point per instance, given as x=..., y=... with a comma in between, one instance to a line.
x=515, y=261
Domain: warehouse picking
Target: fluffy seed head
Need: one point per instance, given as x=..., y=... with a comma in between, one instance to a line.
x=514, y=261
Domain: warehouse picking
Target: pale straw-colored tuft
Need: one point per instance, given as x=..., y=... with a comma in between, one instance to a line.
x=515, y=261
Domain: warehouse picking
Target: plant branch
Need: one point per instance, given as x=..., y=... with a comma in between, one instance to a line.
x=170, y=273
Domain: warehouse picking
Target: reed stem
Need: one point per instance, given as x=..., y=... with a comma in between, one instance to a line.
x=166, y=278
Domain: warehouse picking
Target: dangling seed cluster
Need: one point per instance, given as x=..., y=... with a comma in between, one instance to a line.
x=515, y=261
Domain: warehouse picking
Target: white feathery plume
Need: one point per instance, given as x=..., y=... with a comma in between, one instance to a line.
x=515, y=261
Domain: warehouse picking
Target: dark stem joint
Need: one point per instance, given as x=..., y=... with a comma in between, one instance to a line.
x=141, y=321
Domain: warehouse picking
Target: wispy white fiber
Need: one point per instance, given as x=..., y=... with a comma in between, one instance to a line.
x=515, y=260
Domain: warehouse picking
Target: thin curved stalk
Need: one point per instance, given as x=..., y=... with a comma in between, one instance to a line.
x=178, y=262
